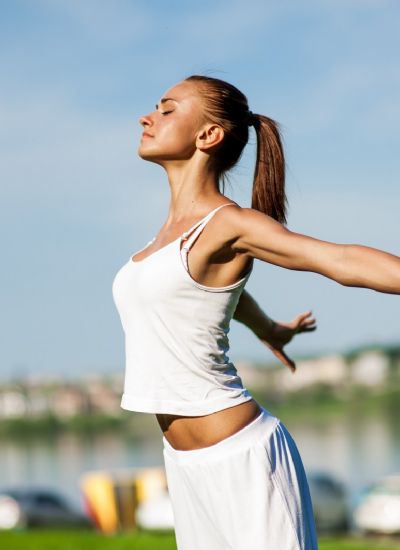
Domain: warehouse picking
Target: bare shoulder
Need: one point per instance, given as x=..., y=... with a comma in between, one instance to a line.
x=240, y=225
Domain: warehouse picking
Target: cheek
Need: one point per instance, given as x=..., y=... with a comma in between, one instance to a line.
x=179, y=136
x=172, y=141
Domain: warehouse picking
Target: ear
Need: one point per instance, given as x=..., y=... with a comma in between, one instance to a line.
x=209, y=136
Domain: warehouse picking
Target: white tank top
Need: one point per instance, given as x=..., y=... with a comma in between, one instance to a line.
x=176, y=333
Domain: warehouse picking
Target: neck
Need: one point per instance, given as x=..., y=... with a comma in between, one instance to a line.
x=193, y=188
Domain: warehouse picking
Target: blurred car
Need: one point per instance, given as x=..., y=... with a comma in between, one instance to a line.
x=378, y=510
x=330, y=502
x=27, y=507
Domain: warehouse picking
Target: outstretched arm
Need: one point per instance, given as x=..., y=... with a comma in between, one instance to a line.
x=272, y=333
x=260, y=236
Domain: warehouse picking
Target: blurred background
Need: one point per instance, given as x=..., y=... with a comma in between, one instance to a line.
x=77, y=202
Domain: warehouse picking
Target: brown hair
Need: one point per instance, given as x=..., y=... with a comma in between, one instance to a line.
x=228, y=107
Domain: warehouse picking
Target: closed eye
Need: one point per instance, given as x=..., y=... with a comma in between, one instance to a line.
x=166, y=112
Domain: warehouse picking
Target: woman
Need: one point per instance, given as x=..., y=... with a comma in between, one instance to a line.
x=234, y=473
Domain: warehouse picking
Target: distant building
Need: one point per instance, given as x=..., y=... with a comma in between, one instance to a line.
x=330, y=369
x=38, y=402
x=370, y=368
x=13, y=403
x=103, y=398
x=253, y=375
x=69, y=400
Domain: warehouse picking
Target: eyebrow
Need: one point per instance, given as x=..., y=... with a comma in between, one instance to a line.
x=164, y=100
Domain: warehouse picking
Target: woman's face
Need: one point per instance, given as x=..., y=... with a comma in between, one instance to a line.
x=169, y=132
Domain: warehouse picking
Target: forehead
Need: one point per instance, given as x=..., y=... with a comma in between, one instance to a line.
x=181, y=91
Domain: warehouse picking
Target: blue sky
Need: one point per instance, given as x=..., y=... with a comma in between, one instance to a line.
x=77, y=201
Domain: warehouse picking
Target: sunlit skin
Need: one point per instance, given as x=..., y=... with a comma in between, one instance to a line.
x=177, y=136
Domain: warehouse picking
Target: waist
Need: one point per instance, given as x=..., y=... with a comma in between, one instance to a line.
x=195, y=432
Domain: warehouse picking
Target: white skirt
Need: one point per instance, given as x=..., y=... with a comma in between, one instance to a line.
x=246, y=492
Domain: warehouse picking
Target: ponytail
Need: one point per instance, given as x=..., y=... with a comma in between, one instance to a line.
x=268, y=194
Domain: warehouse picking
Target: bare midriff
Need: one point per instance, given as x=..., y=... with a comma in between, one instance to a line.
x=195, y=432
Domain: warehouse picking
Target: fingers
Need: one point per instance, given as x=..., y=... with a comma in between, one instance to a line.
x=303, y=317
x=307, y=329
x=299, y=322
x=305, y=324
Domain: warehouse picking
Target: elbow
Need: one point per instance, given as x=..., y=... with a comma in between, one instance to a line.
x=344, y=269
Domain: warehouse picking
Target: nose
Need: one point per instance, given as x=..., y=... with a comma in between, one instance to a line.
x=145, y=121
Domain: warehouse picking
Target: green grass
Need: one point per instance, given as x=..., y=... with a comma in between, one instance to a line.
x=82, y=540
x=353, y=543
x=38, y=539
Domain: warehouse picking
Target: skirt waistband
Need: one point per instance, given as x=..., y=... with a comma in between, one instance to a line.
x=258, y=429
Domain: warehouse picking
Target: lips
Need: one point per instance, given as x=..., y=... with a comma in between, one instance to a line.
x=145, y=134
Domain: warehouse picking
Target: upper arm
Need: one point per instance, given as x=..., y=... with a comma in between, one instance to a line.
x=263, y=238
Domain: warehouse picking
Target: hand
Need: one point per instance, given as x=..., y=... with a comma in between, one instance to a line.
x=283, y=333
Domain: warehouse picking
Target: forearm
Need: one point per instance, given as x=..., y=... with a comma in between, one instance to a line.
x=367, y=267
x=250, y=314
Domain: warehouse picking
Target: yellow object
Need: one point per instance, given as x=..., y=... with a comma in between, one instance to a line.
x=113, y=497
x=99, y=492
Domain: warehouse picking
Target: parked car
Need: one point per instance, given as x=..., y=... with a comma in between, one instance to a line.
x=378, y=510
x=28, y=507
x=330, y=502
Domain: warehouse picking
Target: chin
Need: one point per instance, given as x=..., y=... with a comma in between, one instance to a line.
x=145, y=155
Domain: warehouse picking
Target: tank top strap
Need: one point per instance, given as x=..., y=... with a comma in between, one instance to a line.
x=200, y=226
